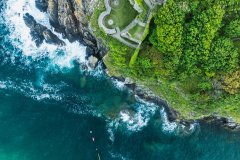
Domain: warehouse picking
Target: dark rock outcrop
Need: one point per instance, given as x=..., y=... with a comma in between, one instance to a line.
x=227, y=123
x=29, y=20
x=62, y=16
x=53, y=14
x=67, y=20
x=40, y=33
x=70, y=18
x=42, y=5
x=52, y=38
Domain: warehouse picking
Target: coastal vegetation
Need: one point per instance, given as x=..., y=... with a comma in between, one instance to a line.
x=190, y=56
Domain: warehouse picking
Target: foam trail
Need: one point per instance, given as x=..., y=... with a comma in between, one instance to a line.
x=118, y=156
x=20, y=35
x=27, y=88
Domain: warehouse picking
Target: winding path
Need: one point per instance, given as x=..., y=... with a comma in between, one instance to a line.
x=122, y=35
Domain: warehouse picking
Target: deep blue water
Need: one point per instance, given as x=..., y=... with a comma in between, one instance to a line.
x=51, y=109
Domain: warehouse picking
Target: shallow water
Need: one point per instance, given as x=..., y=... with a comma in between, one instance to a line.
x=52, y=109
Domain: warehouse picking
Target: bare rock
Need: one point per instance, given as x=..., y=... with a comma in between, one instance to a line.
x=52, y=38
x=53, y=13
x=67, y=20
x=40, y=32
x=36, y=29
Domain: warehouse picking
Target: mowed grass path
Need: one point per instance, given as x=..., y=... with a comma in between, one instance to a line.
x=125, y=13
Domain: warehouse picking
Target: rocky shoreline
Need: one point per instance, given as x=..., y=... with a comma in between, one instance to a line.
x=174, y=116
x=70, y=18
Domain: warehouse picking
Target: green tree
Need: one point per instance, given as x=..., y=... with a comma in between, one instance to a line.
x=200, y=33
x=233, y=29
x=223, y=57
x=232, y=8
x=167, y=36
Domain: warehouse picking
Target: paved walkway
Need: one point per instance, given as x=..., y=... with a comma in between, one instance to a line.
x=102, y=17
x=119, y=37
x=124, y=34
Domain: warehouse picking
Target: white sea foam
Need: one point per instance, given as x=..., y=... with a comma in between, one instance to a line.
x=125, y=116
x=98, y=72
x=111, y=127
x=176, y=128
x=133, y=120
x=2, y=85
x=118, y=156
x=20, y=35
x=168, y=127
x=29, y=90
x=120, y=85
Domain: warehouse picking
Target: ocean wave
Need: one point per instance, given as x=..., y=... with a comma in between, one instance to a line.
x=118, y=156
x=20, y=36
x=143, y=113
x=175, y=128
x=118, y=84
x=28, y=89
x=167, y=127
x=132, y=120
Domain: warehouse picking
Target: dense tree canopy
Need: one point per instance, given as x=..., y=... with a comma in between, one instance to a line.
x=197, y=38
x=199, y=35
x=223, y=56
x=233, y=29
x=169, y=29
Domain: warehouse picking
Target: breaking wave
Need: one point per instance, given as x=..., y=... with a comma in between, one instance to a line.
x=176, y=128
x=20, y=36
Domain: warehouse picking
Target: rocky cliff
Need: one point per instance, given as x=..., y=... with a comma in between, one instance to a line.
x=68, y=17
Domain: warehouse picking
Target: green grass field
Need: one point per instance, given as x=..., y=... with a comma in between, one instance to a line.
x=124, y=14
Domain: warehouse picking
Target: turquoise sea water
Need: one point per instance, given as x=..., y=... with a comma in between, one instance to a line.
x=51, y=109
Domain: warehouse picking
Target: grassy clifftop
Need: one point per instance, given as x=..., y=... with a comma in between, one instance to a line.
x=190, y=57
